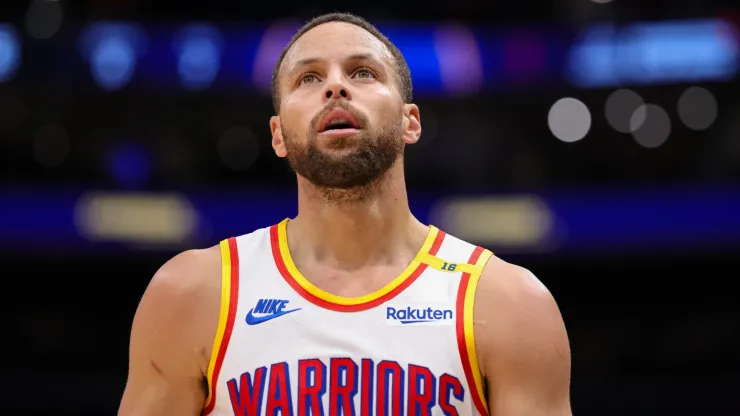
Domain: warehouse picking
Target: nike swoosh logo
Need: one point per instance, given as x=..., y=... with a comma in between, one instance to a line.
x=254, y=320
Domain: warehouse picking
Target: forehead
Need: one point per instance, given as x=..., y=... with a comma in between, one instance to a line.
x=333, y=41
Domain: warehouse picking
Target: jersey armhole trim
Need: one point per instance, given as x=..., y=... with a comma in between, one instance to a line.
x=227, y=315
x=465, y=329
x=448, y=267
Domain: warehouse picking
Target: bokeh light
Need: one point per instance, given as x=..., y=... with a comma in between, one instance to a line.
x=620, y=106
x=10, y=52
x=569, y=120
x=238, y=148
x=44, y=19
x=198, y=48
x=129, y=164
x=650, y=126
x=697, y=108
x=113, y=51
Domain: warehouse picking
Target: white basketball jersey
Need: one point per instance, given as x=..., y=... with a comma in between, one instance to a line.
x=286, y=347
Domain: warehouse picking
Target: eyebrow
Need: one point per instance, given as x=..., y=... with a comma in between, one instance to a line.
x=354, y=57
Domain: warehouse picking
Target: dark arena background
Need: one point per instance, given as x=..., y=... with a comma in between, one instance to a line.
x=596, y=143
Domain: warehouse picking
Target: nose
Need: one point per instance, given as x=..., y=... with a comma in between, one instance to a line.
x=336, y=91
x=335, y=88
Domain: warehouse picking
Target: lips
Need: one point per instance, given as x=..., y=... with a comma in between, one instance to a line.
x=338, y=119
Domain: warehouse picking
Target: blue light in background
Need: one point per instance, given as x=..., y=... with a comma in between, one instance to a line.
x=271, y=43
x=417, y=43
x=592, y=60
x=199, y=56
x=112, y=50
x=129, y=164
x=650, y=53
x=458, y=53
x=594, y=221
x=10, y=52
x=198, y=48
x=682, y=51
x=113, y=63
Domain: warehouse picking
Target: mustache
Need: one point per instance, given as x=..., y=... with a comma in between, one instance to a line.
x=361, y=119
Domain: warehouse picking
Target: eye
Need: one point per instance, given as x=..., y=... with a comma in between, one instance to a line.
x=308, y=78
x=364, y=73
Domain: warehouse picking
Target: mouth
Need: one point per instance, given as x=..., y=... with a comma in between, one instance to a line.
x=339, y=133
x=339, y=121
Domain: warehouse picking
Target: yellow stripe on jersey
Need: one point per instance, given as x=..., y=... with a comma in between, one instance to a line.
x=468, y=324
x=340, y=300
x=222, y=317
x=445, y=266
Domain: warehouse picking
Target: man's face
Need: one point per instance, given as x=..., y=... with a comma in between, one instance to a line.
x=342, y=122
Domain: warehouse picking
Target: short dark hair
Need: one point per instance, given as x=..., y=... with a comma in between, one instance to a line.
x=402, y=68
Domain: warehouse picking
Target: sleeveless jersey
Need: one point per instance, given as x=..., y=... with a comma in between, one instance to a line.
x=284, y=345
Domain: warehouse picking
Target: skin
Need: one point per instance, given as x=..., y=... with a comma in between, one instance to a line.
x=521, y=341
x=172, y=337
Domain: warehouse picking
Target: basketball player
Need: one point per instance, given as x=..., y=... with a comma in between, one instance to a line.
x=353, y=307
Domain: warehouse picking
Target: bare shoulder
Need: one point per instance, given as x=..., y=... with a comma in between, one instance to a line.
x=513, y=291
x=186, y=293
x=521, y=342
x=172, y=336
x=187, y=277
x=514, y=308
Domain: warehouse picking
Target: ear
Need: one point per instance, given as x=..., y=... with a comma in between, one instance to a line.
x=278, y=144
x=411, y=124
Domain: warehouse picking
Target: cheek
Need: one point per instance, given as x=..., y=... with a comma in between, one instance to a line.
x=387, y=115
x=385, y=97
x=386, y=104
x=292, y=117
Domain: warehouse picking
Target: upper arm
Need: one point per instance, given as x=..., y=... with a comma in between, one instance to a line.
x=523, y=347
x=171, y=335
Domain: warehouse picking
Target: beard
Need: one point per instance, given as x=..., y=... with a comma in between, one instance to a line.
x=351, y=175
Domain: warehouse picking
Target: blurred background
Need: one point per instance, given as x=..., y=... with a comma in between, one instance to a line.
x=596, y=143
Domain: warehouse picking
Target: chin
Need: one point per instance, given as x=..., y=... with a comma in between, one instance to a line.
x=340, y=152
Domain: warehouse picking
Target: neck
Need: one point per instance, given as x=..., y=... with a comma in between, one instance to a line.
x=353, y=228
